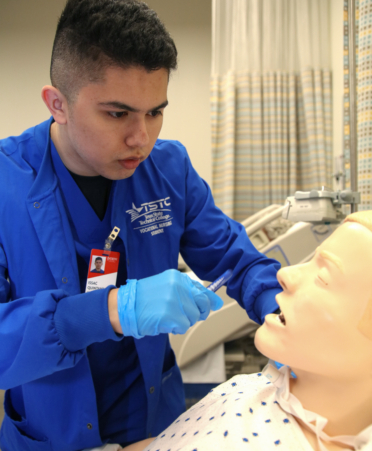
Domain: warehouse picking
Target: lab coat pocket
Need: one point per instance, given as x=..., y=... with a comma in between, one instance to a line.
x=13, y=436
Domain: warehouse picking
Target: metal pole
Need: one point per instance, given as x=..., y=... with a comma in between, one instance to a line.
x=353, y=103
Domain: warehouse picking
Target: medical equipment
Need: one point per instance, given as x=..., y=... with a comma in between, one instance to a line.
x=319, y=207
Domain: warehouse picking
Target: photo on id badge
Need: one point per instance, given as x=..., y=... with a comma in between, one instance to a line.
x=98, y=264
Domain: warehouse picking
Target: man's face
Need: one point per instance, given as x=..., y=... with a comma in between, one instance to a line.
x=322, y=304
x=112, y=126
x=98, y=264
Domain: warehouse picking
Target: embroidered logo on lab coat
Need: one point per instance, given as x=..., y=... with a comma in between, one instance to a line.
x=151, y=217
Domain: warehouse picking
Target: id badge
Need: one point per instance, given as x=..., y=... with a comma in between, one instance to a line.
x=102, y=270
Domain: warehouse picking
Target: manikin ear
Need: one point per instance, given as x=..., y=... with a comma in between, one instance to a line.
x=56, y=103
x=366, y=322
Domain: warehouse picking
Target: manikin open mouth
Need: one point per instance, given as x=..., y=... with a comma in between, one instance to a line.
x=281, y=318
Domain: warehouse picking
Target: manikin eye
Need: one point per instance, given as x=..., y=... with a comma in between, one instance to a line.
x=323, y=276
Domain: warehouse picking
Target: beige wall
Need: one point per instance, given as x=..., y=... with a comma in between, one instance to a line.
x=188, y=115
x=26, y=36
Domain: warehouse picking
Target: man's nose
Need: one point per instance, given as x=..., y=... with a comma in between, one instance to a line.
x=289, y=278
x=137, y=135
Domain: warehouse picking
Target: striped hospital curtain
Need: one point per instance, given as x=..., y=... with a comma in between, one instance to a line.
x=364, y=104
x=223, y=140
x=271, y=136
x=316, y=157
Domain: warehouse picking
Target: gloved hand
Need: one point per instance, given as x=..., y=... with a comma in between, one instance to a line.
x=169, y=302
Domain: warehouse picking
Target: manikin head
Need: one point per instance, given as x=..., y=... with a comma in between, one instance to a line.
x=110, y=68
x=326, y=306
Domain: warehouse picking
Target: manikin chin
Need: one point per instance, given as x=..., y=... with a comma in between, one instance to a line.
x=324, y=331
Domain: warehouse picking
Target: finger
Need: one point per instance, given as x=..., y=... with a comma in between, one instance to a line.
x=179, y=330
x=190, y=309
x=179, y=326
x=176, y=323
x=214, y=300
x=202, y=302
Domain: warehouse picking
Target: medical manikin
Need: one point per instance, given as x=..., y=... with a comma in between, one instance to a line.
x=324, y=335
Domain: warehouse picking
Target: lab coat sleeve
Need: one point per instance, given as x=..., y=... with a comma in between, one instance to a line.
x=33, y=344
x=213, y=243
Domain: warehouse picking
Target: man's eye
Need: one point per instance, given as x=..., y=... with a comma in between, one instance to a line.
x=116, y=114
x=155, y=113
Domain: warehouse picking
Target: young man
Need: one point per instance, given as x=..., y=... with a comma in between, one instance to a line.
x=98, y=262
x=82, y=369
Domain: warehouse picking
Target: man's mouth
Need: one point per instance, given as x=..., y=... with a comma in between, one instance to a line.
x=281, y=318
x=130, y=163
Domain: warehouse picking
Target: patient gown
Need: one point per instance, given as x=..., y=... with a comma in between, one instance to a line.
x=243, y=414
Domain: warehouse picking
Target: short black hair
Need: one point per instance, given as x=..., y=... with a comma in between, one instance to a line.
x=98, y=258
x=93, y=35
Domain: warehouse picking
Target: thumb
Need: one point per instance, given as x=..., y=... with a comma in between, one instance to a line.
x=215, y=301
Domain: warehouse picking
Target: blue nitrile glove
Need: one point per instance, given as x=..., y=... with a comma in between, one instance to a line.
x=169, y=302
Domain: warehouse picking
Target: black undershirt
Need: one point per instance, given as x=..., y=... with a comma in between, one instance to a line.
x=96, y=191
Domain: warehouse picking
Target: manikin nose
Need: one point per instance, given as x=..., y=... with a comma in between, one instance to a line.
x=289, y=278
x=137, y=135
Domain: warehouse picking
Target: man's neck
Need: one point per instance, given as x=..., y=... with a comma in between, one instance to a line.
x=96, y=190
x=346, y=404
x=57, y=138
x=63, y=147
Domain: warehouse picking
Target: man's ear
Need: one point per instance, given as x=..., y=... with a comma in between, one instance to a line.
x=56, y=103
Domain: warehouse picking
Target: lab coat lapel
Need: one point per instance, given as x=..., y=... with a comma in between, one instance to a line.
x=120, y=193
x=48, y=214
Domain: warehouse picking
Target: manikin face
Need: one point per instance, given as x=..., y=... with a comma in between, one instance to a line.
x=112, y=126
x=322, y=303
x=98, y=264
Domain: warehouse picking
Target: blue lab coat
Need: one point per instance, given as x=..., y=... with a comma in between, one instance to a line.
x=163, y=209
